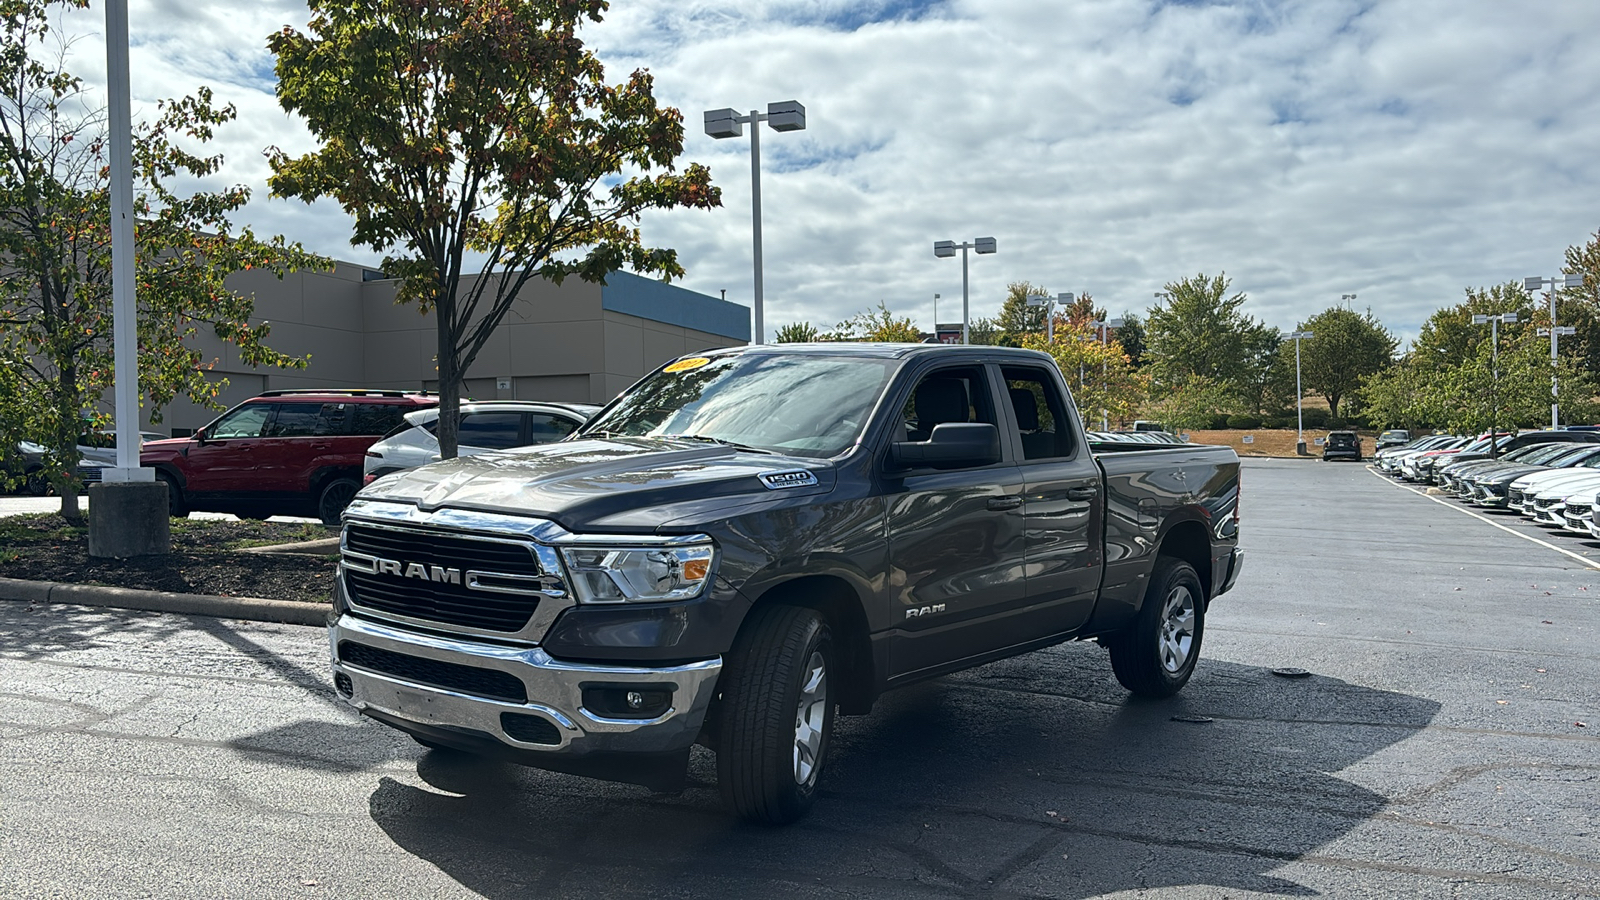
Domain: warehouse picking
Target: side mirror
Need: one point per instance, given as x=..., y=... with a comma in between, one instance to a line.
x=199, y=435
x=953, y=445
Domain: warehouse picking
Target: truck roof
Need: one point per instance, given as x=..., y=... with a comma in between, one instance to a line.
x=873, y=349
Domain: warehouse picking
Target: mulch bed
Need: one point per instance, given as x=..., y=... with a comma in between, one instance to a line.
x=206, y=558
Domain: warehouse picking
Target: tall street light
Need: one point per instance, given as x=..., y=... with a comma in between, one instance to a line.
x=1345, y=297
x=1494, y=366
x=1555, y=331
x=1105, y=387
x=1049, y=304
x=788, y=115
x=947, y=249
x=1299, y=395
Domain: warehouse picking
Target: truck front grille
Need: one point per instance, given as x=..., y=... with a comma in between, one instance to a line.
x=491, y=684
x=436, y=574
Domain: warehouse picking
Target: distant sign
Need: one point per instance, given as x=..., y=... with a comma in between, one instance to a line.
x=1318, y=442
x=1248, y=439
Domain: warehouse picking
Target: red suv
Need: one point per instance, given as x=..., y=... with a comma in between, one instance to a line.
x=291, y=453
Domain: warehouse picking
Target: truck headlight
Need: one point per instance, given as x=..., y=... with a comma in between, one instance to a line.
x=641, y=574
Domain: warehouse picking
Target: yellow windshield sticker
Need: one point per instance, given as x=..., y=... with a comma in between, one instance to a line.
x=684, y=365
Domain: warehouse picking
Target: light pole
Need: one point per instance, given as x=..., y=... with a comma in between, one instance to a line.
x=1049, y=304
x=1494, y=368
x=1299, y=395
x=1105, y=388
x=1555, y=331
x=1346, y=297
x=947, y=249
x=788, y=115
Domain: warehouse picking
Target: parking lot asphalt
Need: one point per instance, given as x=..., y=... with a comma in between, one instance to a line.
x=1433, y=751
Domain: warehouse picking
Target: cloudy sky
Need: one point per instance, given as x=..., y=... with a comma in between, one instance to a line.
x=1400, y=150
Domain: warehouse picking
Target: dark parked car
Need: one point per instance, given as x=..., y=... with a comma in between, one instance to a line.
x=1342, y=445
x=296, y=453
x=1394, y=437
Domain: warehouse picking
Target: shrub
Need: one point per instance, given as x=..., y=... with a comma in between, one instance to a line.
x=1219, y=422
x=1245, y=422
x=1277, y=422
x=1316, y=417
x=1335, y=424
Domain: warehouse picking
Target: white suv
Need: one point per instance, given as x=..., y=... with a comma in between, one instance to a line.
x=485, y=425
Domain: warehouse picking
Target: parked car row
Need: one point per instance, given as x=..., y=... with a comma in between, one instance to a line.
x=1552, y=477
x=307, y=452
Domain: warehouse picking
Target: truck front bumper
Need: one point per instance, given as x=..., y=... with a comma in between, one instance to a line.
x=521, y=704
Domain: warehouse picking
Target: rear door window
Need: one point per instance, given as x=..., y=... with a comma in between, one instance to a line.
x=376, y=418
x=295, y=420
x=1042, y=416
x=496, y=430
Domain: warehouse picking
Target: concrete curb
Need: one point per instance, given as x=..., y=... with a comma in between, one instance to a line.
x=252, y=609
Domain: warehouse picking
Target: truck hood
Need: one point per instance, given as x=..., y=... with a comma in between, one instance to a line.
x=622, y=484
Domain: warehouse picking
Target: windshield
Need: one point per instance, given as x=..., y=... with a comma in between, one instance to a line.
x=803, y=404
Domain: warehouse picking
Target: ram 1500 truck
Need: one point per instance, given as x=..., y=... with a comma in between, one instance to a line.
x=751, y=540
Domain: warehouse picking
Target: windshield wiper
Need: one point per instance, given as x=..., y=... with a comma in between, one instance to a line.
x=716, y=440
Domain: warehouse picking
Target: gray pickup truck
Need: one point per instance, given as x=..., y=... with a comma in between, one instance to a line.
x=751, y=540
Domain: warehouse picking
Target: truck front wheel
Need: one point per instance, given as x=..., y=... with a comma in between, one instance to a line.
x=776, y=715
x=1156, y=655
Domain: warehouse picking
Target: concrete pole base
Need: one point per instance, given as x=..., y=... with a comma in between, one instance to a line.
x=129, y=519
x=1300, y=448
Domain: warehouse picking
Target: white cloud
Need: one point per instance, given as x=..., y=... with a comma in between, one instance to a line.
x=1398, y=149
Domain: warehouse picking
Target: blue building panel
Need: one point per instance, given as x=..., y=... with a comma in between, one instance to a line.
x=647, y=298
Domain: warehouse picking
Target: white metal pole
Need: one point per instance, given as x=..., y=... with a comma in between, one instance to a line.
x=124, y=329
x=1555, y=409
x=1299, y=396
x=1050, y=322
x=964, y=335
x=755, y=215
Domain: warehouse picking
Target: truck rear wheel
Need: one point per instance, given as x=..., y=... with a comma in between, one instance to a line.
x=1156, y=655
x=776, y=715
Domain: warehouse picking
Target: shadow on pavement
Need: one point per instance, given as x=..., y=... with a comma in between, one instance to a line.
x=1036, y=775
x=34, y=631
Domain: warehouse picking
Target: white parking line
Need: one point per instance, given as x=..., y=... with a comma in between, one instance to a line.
x=1593, y=564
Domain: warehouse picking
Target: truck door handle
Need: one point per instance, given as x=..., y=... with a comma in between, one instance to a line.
x=1004, y=503
x=1081, y=493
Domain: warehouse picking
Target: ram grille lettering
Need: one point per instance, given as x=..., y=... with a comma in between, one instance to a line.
x=436, y=574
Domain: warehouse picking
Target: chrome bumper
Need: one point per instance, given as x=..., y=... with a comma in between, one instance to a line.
x=554, y=690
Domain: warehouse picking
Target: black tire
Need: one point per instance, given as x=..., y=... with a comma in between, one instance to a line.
x=1157, y=654
x=336, y=495
x=35, y=484
x=176, y=507
x=775, y=700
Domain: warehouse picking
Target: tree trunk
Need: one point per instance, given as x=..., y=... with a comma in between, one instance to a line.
x=1333, y=405
x=449, y=379
x=68, y=425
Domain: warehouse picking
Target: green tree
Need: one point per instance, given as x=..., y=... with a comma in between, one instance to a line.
x=1189, y=404
x=457, y=130
x=1017, y=318
x=796, y=333
x=1345, y=348
x=984, y=332
x=1131, y=337
x=1264, y=383
x=878, y=326
x=1101, y=378
x=1199, y=331
x=55, y=247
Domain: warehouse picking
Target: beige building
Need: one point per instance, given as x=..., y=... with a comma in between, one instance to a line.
x=578, y=342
